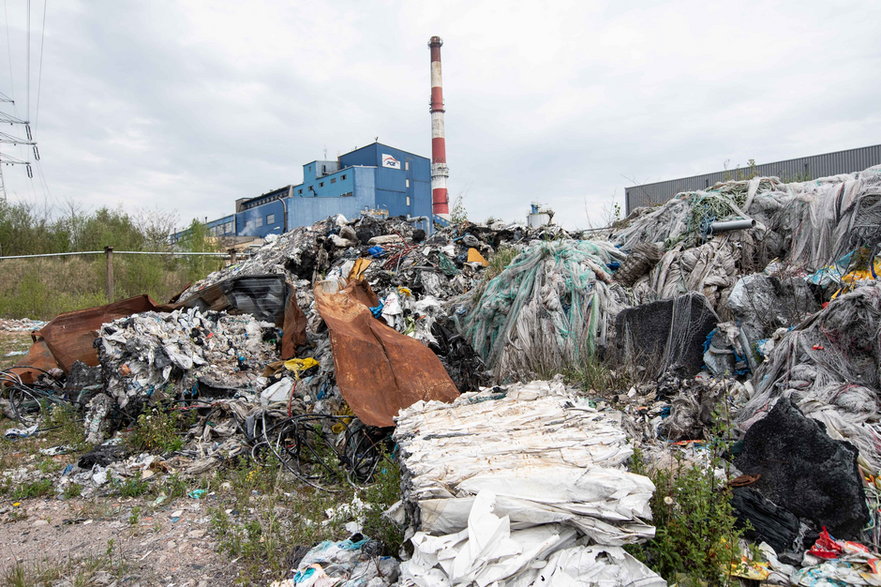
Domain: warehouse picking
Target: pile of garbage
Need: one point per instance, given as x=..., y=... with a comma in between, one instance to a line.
x=754, y=299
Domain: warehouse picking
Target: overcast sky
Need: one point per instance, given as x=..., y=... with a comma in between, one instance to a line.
x=186, y=106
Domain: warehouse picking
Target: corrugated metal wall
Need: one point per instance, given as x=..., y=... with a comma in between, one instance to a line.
x=801, y=169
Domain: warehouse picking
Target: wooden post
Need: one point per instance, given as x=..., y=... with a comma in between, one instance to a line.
x=232, y=256
x=108, y=254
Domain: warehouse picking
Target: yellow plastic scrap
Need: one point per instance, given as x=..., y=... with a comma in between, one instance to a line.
x=752, y=570
x=405, y=291
x=474, y=256
x=360, y=266
x=300, y=365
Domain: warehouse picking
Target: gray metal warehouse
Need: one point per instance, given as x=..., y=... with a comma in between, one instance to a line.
x=800, y=169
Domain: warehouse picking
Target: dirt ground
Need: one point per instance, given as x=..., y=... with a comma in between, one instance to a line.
x=101, y=542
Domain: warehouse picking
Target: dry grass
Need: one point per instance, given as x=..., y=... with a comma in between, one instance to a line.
x=43, y=288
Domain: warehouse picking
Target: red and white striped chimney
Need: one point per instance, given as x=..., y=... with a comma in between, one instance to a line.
x=439, y=170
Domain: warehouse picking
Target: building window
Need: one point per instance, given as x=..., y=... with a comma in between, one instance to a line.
x=332, y=180
x=300, y=192
x=259, y=221
x=343, y=177
x=230, y=227
x=270, y=219
x=346, y=195
x=406, y=166
x=407, y=182
x=408, y=200
x=321, y=184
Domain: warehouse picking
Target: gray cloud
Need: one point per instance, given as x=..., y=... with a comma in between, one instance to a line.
x=188, y=106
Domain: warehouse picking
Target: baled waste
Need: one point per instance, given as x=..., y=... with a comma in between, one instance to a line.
x=505, y=477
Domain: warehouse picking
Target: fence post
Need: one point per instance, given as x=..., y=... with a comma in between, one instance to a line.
x=232, y=256
x=108, y=254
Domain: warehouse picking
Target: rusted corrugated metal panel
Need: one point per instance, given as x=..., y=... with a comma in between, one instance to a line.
x=378, y=369
x=69, y=337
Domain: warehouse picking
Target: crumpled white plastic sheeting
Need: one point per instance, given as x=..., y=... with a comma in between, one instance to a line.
x=144, y=352
x=499, y=481
x=488, y=552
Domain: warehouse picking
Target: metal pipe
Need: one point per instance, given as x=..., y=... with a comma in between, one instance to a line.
x=727, y=225
x=439, y=170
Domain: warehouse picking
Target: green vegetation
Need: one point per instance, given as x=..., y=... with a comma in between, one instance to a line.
x=132, y=487
x=157, y=431
x=283, y=512
x=33, y=489
x=45, y=287
x=696, y=537
x=499, y=261
x=70, y=571
x=595, y=376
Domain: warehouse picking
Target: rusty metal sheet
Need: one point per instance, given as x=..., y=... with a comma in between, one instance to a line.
x=40, y=358
x=378, y=369
x=70, y=336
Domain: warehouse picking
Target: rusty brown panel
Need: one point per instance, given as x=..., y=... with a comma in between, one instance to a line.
x=378, y=369
x=294, y=328
x=40, y=357
x=70, y=336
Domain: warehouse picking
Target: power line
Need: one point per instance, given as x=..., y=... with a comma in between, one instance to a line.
x=9, y=50
x=40, y=69
x=28, y=67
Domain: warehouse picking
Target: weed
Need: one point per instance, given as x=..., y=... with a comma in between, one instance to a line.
x=72, y=490
x=593, y=375
x=156, y=432
x=499, y=261
x=33, y=489
x=132, y=487
x=66, y=427
x=696, y=534
x=172, y=486
x=134, y=516
x=382, y=493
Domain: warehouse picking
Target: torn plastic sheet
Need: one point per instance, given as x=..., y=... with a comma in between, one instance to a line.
x=490, y=552
x=546, y=455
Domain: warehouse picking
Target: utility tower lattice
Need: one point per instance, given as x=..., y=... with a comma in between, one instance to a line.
x=9, y=139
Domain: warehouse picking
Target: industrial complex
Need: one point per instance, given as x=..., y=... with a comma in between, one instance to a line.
x=800, y=169
x=376, y=179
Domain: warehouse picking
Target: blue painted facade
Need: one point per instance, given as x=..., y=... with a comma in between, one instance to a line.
x=375, y=177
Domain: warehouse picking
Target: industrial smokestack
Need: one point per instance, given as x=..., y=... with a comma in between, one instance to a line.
x=439, y=171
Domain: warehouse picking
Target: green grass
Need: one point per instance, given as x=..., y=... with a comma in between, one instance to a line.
x=33, y=489
x=157, y=431
x=696, y=537
x=262, y=514
x=70, y=571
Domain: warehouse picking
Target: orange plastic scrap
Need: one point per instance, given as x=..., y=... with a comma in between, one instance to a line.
x=474, y=256
x=378, y=369
x=360, y=266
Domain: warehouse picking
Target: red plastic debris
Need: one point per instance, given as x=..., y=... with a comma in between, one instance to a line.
x=818, y=347
x=826, y=546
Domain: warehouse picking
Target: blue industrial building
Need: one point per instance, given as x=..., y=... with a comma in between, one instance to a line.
x=375, y=178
